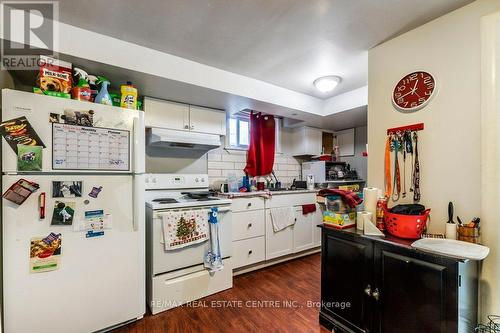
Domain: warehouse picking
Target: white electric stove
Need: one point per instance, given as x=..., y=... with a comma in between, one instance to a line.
x=170, y=191
x=178, y=276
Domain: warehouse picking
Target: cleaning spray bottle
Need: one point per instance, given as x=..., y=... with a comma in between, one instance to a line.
x=81, y=91
x=129, y=96
x=92, y=79
x=103, y=96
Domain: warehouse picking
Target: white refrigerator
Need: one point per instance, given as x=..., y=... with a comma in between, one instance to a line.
x=99, y=282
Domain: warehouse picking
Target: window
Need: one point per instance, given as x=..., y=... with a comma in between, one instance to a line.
x=239, y=133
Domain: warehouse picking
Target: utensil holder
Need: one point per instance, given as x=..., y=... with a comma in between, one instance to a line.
x=468, y=234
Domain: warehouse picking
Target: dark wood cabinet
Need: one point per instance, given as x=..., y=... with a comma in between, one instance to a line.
x=347, y=303
x=392, y=288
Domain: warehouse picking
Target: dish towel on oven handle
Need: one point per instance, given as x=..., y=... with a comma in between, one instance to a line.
x=213, y=259
x=184, y=228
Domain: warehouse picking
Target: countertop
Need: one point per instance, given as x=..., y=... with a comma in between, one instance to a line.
x=388, y=239
x=344, y=181
x=234, y=195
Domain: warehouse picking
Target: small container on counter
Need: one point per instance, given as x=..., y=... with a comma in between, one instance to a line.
x=381, y=203
x=468, y=234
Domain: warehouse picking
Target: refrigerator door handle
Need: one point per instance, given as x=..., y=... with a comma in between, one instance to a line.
x=139, y=209
x=139, y=144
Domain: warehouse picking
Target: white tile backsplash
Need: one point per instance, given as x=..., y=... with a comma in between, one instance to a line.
x=222, y=162
x=221, y=165
x=234, y=158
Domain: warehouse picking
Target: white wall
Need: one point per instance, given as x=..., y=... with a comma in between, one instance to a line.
x=490, y=159
x=448, y=47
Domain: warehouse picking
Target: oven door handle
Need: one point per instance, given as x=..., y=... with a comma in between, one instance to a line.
x=158, y=214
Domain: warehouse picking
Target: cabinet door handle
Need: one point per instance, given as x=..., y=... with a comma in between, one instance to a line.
x=376, y=294
x=368, y=290
x=249, y=225
x=250, y=251
x=249, y=204
x=186, y=127
x=192, y=127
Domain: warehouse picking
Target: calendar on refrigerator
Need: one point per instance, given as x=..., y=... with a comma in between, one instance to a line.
x=90, y=148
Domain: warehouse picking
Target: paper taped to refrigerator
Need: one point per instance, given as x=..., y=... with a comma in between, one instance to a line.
x=90, y=148
x=94, y=220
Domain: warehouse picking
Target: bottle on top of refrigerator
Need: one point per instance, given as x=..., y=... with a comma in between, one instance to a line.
x=129, y=96
x=103, y=96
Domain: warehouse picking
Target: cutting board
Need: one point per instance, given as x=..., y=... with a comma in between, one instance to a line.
x=452, y=248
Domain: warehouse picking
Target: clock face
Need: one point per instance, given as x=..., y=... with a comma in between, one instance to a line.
x=413, y=91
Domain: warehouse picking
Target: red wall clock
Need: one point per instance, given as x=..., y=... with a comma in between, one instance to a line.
x=413, y=91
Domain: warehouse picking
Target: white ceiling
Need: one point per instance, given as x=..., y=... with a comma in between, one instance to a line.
x=288, y=43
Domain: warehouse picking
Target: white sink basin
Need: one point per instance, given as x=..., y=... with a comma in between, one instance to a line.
x=452, y=248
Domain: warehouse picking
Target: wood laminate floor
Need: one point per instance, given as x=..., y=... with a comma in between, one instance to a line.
x=274, y=299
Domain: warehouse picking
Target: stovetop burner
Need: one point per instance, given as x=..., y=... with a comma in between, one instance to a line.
x=165, y=200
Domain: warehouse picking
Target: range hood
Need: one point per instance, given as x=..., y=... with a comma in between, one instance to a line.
x=167, y=138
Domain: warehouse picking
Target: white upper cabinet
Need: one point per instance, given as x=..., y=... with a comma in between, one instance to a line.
x=166, y=114
x=307, y=141
x=345, y=141
x=183, y=117
x=207, y=120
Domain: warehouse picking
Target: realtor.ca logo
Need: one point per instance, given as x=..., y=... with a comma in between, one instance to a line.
x=28, y=29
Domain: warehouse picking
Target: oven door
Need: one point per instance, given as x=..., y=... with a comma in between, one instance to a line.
x=191, y=255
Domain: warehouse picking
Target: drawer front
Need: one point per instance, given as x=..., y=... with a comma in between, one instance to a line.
x=249, y=251
x=286, y=200
x=168, y=293
x=247, y=204
x=248, y=224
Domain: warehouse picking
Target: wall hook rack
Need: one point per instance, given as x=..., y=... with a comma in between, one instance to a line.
x=414, y=127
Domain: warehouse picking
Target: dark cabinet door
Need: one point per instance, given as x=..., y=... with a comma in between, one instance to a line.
x=346, y=273
x=414, y=294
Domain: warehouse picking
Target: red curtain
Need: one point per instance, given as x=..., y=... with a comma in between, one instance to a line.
x=260, y=157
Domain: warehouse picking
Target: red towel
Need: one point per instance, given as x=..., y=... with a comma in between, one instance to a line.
x=310, y=208
x=350, y=198
x=260, y=156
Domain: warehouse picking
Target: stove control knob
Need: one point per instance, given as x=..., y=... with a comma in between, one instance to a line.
x=196, y=180
x=203, y=180
x=154, y=180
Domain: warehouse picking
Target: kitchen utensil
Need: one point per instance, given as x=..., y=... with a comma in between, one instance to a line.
x=450, y=212
x=451, y=227
x=198, y=194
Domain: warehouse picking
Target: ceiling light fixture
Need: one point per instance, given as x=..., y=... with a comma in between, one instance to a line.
x=326, y=84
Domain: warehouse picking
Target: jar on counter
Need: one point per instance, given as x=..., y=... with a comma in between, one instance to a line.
x=381, y=204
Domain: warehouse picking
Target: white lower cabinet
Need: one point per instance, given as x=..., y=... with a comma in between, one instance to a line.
x=254, y=239
x=248, y=224
x=297, y=238
x=303, y=231
x=249, y=251
x=317, y=220
x=277, y=243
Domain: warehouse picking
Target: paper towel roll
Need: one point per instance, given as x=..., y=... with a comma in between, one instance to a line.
x=370, y=228
x=360, y=219
x=451, y=231
x=370, y=197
